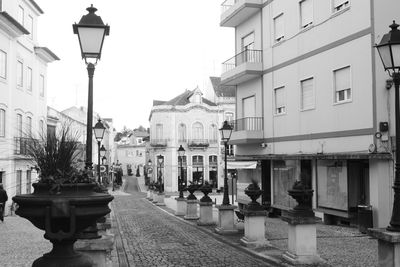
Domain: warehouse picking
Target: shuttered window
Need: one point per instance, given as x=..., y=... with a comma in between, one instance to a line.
x=3, y=64
x=306, y=13
x=279, y=28
x=279, y=100
x=340, y=4
x=342, y=84
x=307, y=94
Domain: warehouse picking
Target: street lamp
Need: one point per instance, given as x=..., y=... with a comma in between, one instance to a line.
x=226, y=132
x=99, y=130
x=91, y=32
x=389, y=51
x=160, y=160
x=181, y=153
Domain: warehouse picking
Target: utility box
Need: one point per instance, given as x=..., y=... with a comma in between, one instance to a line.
x=364, y=218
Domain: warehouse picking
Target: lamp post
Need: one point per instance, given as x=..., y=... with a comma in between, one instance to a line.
x=99, y=130
x=181, y=153
x=160, y=160
x=91, y=32
x=389, y=51
x=226, y=132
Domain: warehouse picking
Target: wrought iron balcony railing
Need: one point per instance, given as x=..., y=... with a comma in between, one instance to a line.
x=253, y=56
x=158, y=142
x=248, y=124
x=198, y=143
x=227, y=4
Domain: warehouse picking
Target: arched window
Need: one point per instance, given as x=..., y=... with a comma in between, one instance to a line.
x=198, y=169
x=181, y=132
x=28, y=126
x=213, y=134
x=197, y=131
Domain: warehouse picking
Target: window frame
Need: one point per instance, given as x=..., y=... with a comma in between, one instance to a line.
x=30, y=21
x=280, y=38
x=345, y=4
x=3, y=113
x=282, y=109
x=29, y=79
x=3, y=66
x=20, y=76
x=41, y=85
x=309, y=24
x=302, y=108
x=21, y=20
x=346, y=91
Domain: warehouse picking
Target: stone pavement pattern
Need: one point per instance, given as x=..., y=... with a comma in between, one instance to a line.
x=151, y=237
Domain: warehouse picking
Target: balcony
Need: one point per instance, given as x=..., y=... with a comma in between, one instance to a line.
x=158, y=143
x=198, y=143
x=21, y=146
x=242, y=67
x=248, y=130
x=235, y=12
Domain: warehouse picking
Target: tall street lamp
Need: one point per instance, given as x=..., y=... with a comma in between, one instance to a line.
x=160, y=160
x=99, y=130
x=389, y=51
x=226, y=132
x=91, y=32
x=181, y=153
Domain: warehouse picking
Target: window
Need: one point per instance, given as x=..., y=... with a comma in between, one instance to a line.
x=279, y=100
x=2, y=123
x=213, y=134
x=230, y=150
x=3, y=64
x=307, y=94
x=19, y=182
x=198, y=169
x=28, y=126
x=248, y=42
x=29, y=26
x=29, y=79
x=159, y=131
x=20, y=73
x=229, y=116
x=21, y=15
x=342, y=84
x=19, y=125
x=340, y=5
x=181, y=132
x=41, y=127
x=197, y=133
x=41, y=85
x=279, y=28
x=28, y=181
x=306, y=13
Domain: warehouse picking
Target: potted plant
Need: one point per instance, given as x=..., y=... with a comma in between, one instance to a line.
x=64, y=201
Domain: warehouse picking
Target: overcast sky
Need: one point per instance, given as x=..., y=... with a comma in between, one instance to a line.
x=156, y=49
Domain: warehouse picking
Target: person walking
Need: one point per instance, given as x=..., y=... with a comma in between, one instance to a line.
x=3, y=200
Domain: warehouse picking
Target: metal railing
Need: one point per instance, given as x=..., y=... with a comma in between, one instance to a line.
x=198, y=142
x=227, y=4
x=248, y=124
x=248, y=55
x=158, y=142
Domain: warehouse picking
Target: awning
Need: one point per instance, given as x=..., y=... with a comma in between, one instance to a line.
x=242, y=164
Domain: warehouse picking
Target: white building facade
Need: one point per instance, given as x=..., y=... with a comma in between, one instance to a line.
x=310, y=99
x=23, y=91
x=193, y=122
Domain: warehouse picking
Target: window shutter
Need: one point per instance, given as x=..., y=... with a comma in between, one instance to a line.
x=337, y=3
x=3, y=64
x=249, y=107
x=279, y=27
x=279, y=97
x=342, y=79
x=307, y=94
x=306, y=12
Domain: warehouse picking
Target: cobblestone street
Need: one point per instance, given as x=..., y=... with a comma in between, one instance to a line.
x=152, y=237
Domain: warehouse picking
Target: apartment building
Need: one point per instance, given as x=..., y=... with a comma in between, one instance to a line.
x=192, y=121
x=23, y=91
x=312, y=102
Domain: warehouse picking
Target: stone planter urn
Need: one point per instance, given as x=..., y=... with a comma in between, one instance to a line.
x=206, y=189
x=191, y=189
x=303, y=197
x=62, y=215
x=253, y=191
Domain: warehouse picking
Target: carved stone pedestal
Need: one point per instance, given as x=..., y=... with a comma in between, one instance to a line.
x=254, y=229
x=302, y=238
x=388, y=247
x=99, y=250
x=206, y=214
x=160, y=199
x=226, y=223
x=180, y=206
x=191, y=209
